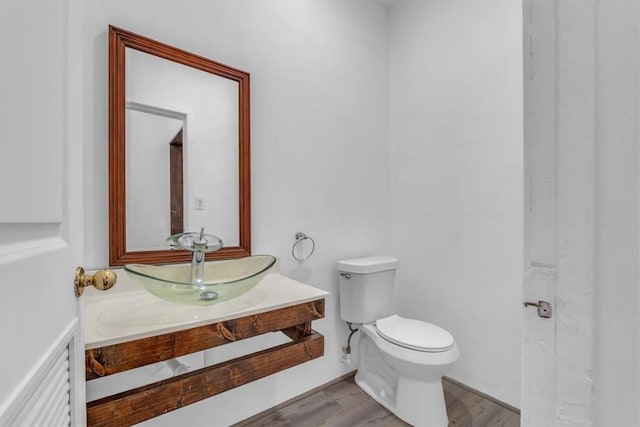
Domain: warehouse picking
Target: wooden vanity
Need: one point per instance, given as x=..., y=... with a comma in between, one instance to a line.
x=120, y=337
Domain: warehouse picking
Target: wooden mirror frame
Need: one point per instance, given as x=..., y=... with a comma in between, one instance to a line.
x=120, y=39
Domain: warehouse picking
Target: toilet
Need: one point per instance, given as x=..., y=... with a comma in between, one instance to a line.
x=401, y=361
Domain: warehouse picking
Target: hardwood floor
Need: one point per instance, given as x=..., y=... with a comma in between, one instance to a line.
x=344, y=404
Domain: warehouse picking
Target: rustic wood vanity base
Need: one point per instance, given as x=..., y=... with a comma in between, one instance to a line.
x=142, y=403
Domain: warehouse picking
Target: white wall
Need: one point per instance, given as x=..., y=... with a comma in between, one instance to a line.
x=320, y=154
x=456, y=132
x=616, y=391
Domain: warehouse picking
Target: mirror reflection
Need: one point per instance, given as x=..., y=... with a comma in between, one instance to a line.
x=175, y=186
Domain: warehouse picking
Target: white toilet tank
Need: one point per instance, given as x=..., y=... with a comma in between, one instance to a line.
x=366, y=288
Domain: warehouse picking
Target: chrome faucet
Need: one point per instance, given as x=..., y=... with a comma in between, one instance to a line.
x=199, y=244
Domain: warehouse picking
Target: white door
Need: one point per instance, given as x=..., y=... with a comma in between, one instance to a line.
x=41, y=240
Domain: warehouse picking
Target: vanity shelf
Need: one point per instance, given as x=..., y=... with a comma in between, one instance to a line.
x=285, y=305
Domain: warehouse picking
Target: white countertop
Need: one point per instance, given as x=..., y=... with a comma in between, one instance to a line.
x=127, y=312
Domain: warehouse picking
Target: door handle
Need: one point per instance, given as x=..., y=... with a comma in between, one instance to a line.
x=101, y=279
x=544, y=308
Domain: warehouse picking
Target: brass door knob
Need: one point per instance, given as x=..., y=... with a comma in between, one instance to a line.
x=101, y=279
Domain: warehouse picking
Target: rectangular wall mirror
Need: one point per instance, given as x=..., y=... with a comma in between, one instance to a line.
x=179, y=142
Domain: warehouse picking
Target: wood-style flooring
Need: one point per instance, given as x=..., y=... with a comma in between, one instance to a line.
x=344, y=404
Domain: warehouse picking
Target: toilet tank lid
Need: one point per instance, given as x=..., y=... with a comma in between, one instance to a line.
x=368, y=264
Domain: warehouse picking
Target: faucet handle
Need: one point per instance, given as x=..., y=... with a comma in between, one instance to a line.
x=195, y=242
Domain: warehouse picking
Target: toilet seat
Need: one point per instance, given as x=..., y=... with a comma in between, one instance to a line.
x=414, y=334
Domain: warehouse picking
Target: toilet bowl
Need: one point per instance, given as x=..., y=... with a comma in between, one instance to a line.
x=412, y=388
x=401, y=361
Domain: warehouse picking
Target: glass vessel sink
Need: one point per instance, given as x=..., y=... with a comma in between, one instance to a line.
x=221, y=280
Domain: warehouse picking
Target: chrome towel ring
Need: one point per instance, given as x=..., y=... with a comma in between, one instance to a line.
x=300, y=236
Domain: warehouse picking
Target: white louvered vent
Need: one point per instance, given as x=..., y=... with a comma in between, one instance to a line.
x=50, y=391
x=49, y=404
